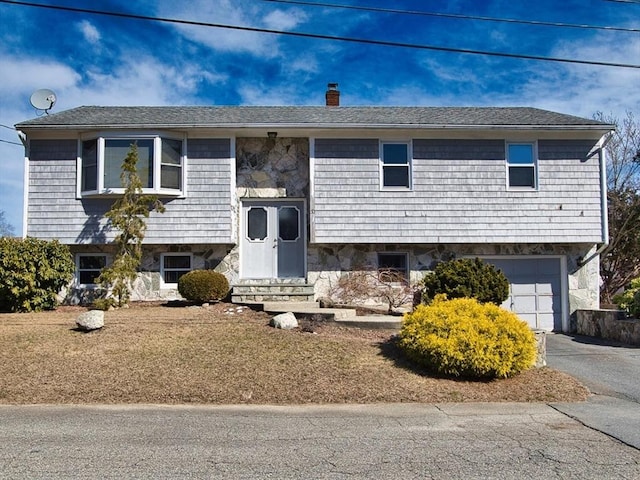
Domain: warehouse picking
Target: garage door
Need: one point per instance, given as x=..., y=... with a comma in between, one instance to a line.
x=536, y=290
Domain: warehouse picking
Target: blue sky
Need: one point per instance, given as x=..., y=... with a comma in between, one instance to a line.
x=89, y=59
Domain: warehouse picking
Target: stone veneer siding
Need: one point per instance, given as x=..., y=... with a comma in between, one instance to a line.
x=326, y=262
x=148, y=286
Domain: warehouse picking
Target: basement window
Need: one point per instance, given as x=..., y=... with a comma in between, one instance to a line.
x=173, y=266
x=392, y=267
x=88, y=268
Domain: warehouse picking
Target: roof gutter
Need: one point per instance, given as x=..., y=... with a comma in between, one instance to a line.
x=604, y=207
x=303, y=126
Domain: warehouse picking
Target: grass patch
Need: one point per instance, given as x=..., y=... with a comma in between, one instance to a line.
x=155, y=354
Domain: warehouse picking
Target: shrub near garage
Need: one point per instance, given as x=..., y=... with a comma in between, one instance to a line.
x=466, y=278
x=203, y=286
x=465, y=338
x=629, y=300
x=32, y=272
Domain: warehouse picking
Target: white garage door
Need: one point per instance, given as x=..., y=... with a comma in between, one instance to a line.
x=536, y=290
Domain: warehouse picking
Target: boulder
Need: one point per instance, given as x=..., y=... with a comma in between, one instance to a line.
x=91, y=320
x=286, y=321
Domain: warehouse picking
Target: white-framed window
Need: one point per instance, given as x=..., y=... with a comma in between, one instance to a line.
x=161, y=164
x=522, y=166
x=395, y=165
x=173, y=266
x=393, y=267
x=88, y=268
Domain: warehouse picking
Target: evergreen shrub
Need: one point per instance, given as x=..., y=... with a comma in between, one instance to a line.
x=32, y=272
x=203, y=286
x=465, y=338
x=466, y=278
x=629, y=300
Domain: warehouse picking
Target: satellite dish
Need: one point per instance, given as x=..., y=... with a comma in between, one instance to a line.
x=43, y=99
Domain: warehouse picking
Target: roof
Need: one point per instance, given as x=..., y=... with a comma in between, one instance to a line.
x=308, y=116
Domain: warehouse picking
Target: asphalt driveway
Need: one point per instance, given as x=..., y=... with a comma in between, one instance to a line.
x=612, y=372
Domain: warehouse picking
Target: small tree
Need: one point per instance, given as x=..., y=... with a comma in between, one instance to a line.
x=128, y=214
x=620, y=262
x=387, y=286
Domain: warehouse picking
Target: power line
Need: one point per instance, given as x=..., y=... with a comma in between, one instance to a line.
x=327, y=37
x=457, y=16
x=12, y=143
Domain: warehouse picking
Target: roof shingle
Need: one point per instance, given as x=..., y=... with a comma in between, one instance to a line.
x=238, y=116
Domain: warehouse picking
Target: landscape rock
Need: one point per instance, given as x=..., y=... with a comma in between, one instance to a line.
x=286, y=321
x=91, y=320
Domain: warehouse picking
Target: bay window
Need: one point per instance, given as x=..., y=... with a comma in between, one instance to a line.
x=160, y=164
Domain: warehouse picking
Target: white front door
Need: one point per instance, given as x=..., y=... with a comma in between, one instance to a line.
x=273, y=239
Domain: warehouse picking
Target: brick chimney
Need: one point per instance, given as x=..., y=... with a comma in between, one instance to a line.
x=333, y=95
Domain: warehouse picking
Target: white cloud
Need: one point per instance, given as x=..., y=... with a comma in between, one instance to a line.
x=583, y=89
x=23, y=75
x=222, y=12
x=145, y=81
x=90, y=32
x=284, y=20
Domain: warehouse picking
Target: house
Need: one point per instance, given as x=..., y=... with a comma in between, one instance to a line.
x=284, y=199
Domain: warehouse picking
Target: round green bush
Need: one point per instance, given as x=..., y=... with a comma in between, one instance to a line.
x=32, y=273
x=466, y=278
x=465, y=338
x=203, y=286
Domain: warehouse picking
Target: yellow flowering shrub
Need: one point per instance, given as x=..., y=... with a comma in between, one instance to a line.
x=465, y=338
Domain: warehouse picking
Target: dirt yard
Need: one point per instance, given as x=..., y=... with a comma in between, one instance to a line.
x=224, y=354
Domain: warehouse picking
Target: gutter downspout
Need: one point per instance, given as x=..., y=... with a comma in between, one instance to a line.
x=604, y=208
x=25, y=175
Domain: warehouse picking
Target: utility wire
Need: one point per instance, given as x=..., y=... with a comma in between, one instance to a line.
x=12, y=143
x=457, y=15
x=327, y=37
x=7, y=141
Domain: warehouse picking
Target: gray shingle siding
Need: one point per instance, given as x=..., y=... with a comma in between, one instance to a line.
x=462, y=202
x=458, y=149
x=347, y=148
x=204, y=216
x=209, y=148
x=564, y=149
x=53, y=149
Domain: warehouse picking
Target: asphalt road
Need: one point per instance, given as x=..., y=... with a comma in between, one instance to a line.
x=461, y=441
x=612, y=372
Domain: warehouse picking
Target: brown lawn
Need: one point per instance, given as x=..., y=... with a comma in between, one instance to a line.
x=169, y=355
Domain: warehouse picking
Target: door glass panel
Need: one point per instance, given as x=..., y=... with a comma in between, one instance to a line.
x=257, y=223
x=288, y=224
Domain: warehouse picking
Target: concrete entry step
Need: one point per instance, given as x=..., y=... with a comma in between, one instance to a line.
x=340, y=316
x=255, y=291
